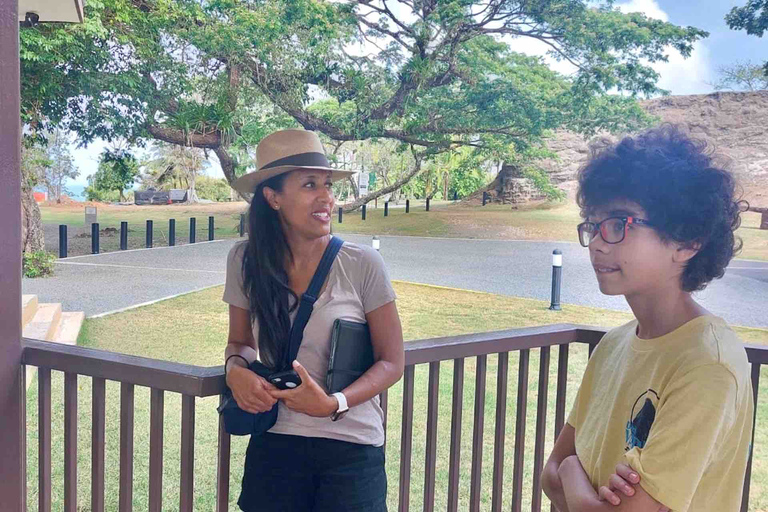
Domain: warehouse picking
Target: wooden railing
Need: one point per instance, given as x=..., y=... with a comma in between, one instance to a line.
x=193, y=382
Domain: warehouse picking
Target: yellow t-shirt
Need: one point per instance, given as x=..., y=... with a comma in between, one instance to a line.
x=678, y=409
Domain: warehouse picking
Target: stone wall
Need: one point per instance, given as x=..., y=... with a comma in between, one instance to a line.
x=736, y=123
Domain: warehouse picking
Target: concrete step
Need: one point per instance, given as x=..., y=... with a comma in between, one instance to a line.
x=69, y=328
x=28, y=309
x=45, y=323
x=48, y=323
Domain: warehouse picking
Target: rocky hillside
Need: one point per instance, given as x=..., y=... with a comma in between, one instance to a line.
x=735, y=123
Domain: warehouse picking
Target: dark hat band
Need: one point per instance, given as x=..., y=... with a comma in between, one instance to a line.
x=313, y=159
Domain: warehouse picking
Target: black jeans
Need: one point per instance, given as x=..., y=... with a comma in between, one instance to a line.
x=307, y=474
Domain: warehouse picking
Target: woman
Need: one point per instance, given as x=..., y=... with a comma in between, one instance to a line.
x=316, y=457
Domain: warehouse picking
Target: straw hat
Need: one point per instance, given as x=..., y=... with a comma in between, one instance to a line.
x=284, y=151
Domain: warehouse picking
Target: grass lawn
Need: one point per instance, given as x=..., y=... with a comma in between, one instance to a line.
x=192, y=329
x=549, y=221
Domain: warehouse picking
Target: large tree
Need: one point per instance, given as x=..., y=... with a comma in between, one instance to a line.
x=433, y=75
x=117, y=172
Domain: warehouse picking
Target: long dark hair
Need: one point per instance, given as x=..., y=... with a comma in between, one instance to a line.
x=264, y=277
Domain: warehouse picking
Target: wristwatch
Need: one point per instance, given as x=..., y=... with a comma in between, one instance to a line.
x=343, y=407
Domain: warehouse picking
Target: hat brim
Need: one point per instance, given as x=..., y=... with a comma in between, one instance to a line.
x=247, y=184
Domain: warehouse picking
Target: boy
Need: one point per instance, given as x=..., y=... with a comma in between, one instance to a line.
x=663, y=418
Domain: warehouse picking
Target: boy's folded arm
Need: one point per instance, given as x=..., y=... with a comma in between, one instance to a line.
x=580, y=496
x=565, y=446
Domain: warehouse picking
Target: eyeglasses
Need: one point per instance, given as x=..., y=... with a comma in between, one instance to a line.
x=613, y=229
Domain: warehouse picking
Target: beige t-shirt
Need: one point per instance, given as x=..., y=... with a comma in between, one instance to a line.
x=678, y=409
x=358, y=283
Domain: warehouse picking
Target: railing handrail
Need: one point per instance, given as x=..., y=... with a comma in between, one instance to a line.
x=181, y=378
x=493, y=342
x=202, y=381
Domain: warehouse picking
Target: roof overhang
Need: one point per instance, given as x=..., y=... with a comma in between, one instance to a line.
x=67, y=11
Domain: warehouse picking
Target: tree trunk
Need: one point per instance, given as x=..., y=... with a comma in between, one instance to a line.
x=355, y=190
x=228, y=165
x=191, y=191
x=32, y=234
x=386, y=190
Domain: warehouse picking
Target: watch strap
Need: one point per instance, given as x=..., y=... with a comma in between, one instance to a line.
x=343, y=406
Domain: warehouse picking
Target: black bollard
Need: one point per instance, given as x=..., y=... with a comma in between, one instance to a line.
x=210, y=228
x=363, y=212
x=407, y=205
x=427, y=204
x=192, y=227
x=171, y=232
x=557, y=277
x=150, y=233
x=386, y=209
x=95, y=238
x=62, y=240
x=123, y=236
x=455, y=195
x=485, y=197
x=242, y=225
x=341, y=214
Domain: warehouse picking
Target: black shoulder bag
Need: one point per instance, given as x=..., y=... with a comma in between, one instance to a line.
x=238, y=422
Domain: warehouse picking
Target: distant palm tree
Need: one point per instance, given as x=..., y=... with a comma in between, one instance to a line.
x=174, y=166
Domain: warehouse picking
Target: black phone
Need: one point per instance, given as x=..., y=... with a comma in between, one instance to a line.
x=288, y=379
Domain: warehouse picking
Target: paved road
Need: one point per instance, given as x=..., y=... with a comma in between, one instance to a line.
x=107, y=282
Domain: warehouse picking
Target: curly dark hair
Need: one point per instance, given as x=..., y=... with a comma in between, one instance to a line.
x=688, y=197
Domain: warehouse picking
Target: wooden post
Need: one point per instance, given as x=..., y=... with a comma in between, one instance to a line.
x=13, y=476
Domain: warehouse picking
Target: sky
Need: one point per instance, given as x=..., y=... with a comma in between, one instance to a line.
x=680, y=76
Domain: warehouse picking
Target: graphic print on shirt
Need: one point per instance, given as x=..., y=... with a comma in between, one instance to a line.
x=641, y=419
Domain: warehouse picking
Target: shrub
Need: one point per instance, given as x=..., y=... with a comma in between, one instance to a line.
x=38, y=264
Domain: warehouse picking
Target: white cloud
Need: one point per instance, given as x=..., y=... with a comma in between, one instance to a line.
x=87, y=160
x=648, y=7
x=678, y=75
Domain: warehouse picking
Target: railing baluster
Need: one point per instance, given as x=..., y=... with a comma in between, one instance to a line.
x=406, y=442
x=222, y=469
x=522, y=407
x=477, y=435
x=430, y=459
x=156, y=416
x=748, y=478
x=98, y=443
x=126, y=446
x=502, y=380
x=455, y=456
x=44, y=438
x=541, y=428
x=562, y=388
x=187, y=491
x=23, y=429
x=70, y=442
